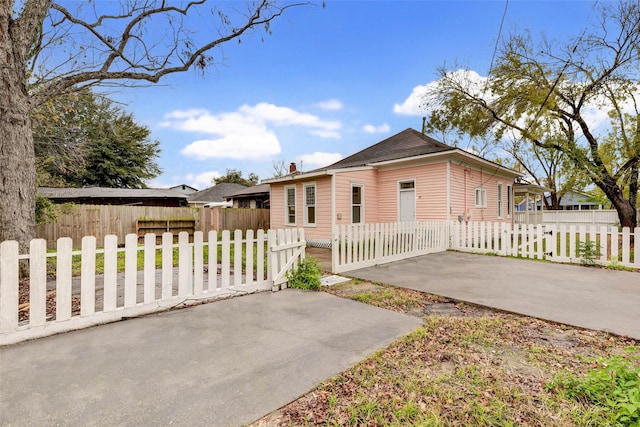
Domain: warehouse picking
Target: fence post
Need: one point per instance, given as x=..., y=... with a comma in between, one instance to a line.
x=271, y=258
x=63, y=278
x=9, y=277
x=88, y=277
x=37, y=282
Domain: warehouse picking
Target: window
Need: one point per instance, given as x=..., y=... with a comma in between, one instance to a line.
x=509, y=201
x=290, y=205
x=499, y=200
x=481, y=198
x=310, y=204
x=356, y=204
x=407, y=185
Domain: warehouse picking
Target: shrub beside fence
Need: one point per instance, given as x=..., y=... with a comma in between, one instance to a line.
x=112, y=282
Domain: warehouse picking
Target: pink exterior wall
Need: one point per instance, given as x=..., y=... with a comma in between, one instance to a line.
x=464, y=181
x=430, y=191
x=381, y=195
x=322, y=227
x=344, y=182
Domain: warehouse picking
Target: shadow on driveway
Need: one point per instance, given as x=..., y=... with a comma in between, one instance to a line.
x=587, y=297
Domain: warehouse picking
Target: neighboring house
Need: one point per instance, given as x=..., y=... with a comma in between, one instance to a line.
x=214, y=196
x=114, y=196
x=184, y=189
x=570, y=201
x=256, y=197
x=406, y=177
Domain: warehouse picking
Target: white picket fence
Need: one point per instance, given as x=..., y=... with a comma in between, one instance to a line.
x=363, y=245
x=199, y=274
x=557, y=243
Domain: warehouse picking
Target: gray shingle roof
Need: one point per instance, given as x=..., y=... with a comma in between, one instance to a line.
x=408, y=143
x=217, y=193
x=256, y=189
x=102, y=192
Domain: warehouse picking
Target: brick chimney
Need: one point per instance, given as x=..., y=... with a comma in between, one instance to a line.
x=292, y=167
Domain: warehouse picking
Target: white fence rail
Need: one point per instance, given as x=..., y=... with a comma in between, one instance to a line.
x=363, y=245
x=134, y=280
x=589, y=217
x=555, y=243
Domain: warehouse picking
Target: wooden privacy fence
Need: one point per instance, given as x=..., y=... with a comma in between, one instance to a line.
x=363, y=245
x=562, y=243
x=77, y=221
x=69, y=289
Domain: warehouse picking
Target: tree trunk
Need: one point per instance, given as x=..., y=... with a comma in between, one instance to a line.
x=17, y=163
x=626, y=211
x=17, y=157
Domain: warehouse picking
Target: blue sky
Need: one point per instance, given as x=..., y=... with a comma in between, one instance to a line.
x=327, y=83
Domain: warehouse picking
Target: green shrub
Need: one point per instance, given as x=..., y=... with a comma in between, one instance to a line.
x=588, y=252
x=614, y=384
x=306, y=275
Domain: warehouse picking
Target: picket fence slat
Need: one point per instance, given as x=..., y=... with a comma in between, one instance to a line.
x=142, y=287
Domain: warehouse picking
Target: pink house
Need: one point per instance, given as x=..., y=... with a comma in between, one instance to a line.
x=407, y=177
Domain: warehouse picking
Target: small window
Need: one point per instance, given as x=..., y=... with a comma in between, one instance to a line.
x=500, y=200
x=290, y=205
x=356, y=204
x=309, y=204
x=509, y=201
x=481, y=198
x=407, y=185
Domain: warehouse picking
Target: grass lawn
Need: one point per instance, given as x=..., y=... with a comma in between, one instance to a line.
x=470, y=366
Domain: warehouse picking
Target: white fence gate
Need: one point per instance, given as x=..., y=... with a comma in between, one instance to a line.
x=363, y=245
x=111, y=283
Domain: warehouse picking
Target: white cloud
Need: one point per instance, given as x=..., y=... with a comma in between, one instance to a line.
x=201, y=180
x=383, y=128
x=246, y=133
x=415, y=104
x=330, y=105
x=318, y=159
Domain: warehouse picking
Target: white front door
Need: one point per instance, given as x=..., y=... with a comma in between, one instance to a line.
x=407, y=200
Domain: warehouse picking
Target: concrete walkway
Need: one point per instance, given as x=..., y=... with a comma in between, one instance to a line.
x=220, y=364
x=592, y=298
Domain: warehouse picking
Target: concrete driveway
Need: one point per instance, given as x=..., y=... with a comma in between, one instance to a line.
x=591, y=298
x=220, y=364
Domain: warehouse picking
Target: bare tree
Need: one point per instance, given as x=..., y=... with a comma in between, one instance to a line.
x=47, y=49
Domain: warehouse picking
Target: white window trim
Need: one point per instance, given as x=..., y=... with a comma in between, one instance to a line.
x=500, y=200
x=483, y=197
x=286, y=205
x=361, y=203
x=305, y=206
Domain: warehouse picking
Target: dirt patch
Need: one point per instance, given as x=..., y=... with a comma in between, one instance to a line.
x=24, y=304
x=467, y=365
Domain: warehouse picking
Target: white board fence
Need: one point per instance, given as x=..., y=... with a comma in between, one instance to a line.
x=135, y=280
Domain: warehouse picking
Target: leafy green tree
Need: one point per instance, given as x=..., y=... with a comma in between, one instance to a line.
x=544, y=97
x=51, y=48
x=86, y=140
x=234, y=176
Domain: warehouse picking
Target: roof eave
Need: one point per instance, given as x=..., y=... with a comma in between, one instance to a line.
x=448, y=153
x=294, y=177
